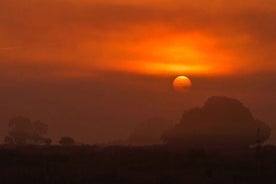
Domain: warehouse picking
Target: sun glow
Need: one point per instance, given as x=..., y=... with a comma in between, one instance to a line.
x=165, y=68
x=192, y=54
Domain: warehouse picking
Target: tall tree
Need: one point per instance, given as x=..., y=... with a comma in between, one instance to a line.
x=221, y=122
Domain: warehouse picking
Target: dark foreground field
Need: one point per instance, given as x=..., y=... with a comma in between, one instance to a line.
x=131, y=165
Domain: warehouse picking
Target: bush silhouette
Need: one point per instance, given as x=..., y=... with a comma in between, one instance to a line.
x=221, y=122
x=66, y=141
x=48, y=141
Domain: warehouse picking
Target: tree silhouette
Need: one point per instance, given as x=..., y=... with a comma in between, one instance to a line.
x=221, y=122
x=66, y=141
x=24, y=131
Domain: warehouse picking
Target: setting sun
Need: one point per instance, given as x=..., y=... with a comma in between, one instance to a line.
x=182, y=84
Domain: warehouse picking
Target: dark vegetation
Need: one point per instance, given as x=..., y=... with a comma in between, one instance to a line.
x=147, y=165
x=66, y=141
x=220, y=142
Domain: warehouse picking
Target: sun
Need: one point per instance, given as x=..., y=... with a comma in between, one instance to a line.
x=182, y=84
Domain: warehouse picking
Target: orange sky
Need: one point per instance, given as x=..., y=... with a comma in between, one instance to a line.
x=80, y=38
x=93, y=69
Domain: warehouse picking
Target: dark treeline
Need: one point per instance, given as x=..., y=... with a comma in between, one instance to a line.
x=148, y=165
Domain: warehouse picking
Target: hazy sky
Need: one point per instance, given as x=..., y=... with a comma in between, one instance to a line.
x=94, y=69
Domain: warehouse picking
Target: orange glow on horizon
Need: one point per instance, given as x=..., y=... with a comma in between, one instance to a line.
x=171, y=69
x=193, y=54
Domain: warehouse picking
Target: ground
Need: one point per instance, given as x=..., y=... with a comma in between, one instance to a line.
x=151, y=164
